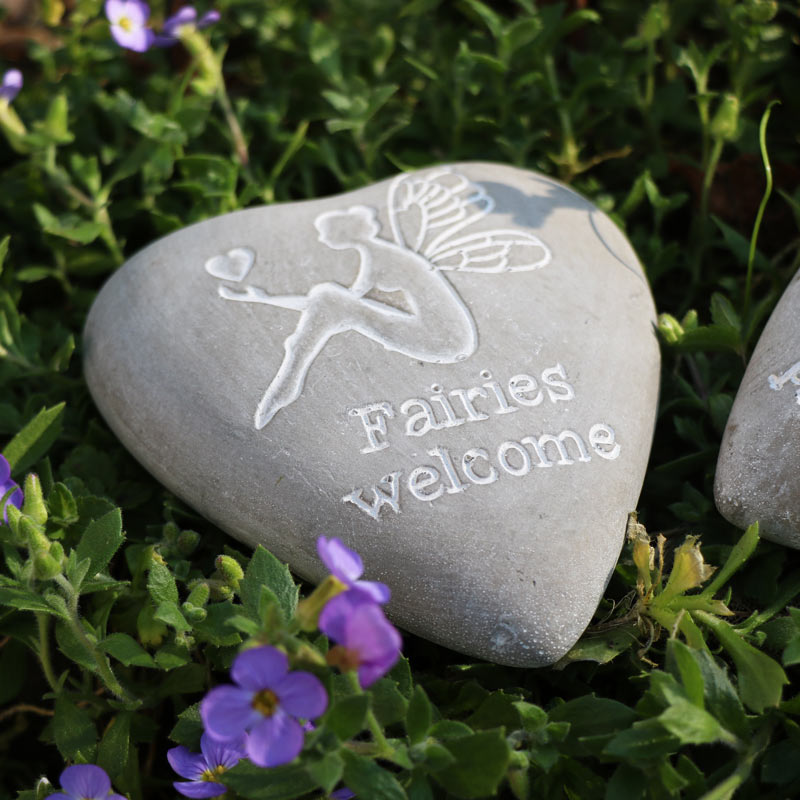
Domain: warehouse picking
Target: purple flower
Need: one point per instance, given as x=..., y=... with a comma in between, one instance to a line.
x=12, y=83
x=342, y=794
x=6, y=486
x=128, y=20
x=187, y=15
x=85, y=782
x=365, y=639
x=204, y=769
x=346, y=565
x=266, y=704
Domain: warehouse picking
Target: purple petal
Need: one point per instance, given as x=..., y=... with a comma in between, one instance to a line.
x=138, y=39
x=115, y=796
x=85, y=781
x=9, y=89
x=337, y=611
x=163, y=41
x=342, y=794
x=276, y=740
x=209, y=18
x=136, y=11
x=375, y=639
x=59, y=796
x=227, y=712
x=302, y=695
x=343, y=562
x=186, y=763
x=183, y=16
x=5, y=469
x=378, y=592
x=259, y=668
x=200, y=788
x=220, y=754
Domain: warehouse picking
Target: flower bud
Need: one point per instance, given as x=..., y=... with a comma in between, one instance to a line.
x=170, y=532
x=45, y=566
x=34, y=536
x=57, y=551
x=187, y=542
x=221, y=591
x=33, y=505
x=193, y=613
x=689, y=570
x=151, y=630
x=230, y=570
x=309, y=608
x=670, y=329
x=725, y=122
x=14, y=515
x=199, y=594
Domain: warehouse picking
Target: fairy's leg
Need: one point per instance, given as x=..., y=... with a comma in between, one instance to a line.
x=333, y=309
x=326, y=313
x=254, y=294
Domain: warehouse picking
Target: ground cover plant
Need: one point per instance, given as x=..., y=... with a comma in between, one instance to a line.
x=135, y=636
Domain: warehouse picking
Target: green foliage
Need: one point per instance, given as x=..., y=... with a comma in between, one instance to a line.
x=657, y=111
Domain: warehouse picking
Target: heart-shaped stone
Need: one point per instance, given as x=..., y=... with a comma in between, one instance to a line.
x=234, y=265
x=455, y=371
x=758, y=471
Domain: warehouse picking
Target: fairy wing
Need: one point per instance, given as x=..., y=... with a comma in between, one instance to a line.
x=428, y=212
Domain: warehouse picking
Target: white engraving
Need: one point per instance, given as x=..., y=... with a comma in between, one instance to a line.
x=425, y=214
x=233, y=265
x=792, y=375
x=455, y=474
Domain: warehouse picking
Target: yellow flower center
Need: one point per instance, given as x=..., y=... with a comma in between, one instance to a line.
x=126, y=24
x=212, y=775
x=265, y=702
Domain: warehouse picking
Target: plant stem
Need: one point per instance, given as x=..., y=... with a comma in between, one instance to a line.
x=43, y=620
x=762, y=142
x=374, y=726
x=104, y=670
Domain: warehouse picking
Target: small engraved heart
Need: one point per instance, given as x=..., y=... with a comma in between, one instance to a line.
x=233, y=265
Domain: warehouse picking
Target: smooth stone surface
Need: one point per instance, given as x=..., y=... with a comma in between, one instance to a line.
x=395, y=366
x=758, y=471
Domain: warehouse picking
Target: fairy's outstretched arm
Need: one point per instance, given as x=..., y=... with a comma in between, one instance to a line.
x=253, y=294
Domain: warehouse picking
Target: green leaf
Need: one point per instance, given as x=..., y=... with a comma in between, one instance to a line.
x=265, y=570
x=481, y=761
x=739, y=554
x=101, y=540
x=367, y=779
x=723, y=312
x=346, y=717
x=327, y=772
x=419, y=716
x=692, y=725
x=216, y=628
x=169, y=613
x=720, y=696
x=74, y=731
x=161, y=584
x=683, y=666
x=127, y=650
x=24, y=600
x=761, y=678
x=68, y=226
x=278, y=783
x=644, y=740
x=388, y=704
x=34, y=440
x=189, y=727
x=112, y=754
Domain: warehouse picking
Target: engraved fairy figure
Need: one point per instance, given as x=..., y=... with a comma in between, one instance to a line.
x=792, y=375
x=425, y=213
